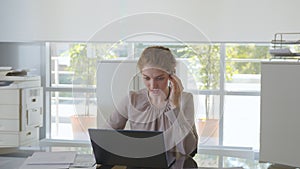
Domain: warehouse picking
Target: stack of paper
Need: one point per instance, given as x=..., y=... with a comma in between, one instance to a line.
x=4, y=70
x=49, y=160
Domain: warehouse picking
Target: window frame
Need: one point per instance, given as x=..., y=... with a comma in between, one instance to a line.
x=221, y=92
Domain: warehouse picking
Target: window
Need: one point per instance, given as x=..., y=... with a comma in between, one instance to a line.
x=241, y=116
x=224, y=78
x=71, y=84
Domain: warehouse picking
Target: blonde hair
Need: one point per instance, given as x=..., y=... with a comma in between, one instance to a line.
x=158, y=57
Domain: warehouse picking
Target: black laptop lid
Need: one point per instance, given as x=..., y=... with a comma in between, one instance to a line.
x=132, y=148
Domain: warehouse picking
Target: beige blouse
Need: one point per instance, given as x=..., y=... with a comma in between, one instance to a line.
x=178, y=125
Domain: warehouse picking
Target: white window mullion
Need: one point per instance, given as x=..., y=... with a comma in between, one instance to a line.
x=222, y=90
x=47, y=95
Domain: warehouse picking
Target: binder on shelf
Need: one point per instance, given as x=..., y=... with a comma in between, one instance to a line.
x=283, y=52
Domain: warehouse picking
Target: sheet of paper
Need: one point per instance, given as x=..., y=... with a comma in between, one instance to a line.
x=27, y=166
x=5, y=68
x=66, y=157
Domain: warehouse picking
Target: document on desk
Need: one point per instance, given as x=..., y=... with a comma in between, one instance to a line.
x=49, y=160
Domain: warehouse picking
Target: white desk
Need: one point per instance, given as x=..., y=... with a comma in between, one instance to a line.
x=203, y=160
x=15, y=163
x=11, y=162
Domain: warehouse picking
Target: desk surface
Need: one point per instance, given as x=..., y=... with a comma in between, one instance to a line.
x=13, y=158
x=16, y=162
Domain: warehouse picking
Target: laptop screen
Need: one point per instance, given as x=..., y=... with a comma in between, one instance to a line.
x=132, y=148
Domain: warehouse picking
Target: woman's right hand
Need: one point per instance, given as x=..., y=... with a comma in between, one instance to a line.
x=176, y=88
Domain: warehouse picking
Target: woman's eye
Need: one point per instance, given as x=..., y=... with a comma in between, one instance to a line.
x=146, y=78
x=160, y=78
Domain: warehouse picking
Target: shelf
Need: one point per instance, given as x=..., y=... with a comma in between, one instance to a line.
x=283, y=45
x=287, y=42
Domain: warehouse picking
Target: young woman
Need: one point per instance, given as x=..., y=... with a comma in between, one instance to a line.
x=162, y=105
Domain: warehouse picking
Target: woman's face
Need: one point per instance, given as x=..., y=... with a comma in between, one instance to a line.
x=156, y=80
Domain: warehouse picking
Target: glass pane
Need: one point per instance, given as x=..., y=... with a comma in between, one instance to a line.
x=76, y=63
x=245, y=163
x=207, y=110
x=220, y=161
x=207, y=160
x=203, y=62
x=72, y=114
x=242, y=121
x=243, y=66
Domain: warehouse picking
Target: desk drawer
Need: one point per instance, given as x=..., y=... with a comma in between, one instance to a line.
x=9, y=125
x=10, y=97
x=30, y=135
x=9, y=139
x=9, y=111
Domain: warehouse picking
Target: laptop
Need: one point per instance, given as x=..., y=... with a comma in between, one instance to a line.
x=131, y=148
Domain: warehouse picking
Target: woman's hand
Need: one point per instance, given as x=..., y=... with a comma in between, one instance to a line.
x=176, y=91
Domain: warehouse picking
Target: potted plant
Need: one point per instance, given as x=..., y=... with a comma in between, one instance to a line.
x=205, y=66
x=83, y=62
x=84, y=69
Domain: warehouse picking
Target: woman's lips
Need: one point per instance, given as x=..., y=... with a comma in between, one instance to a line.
x=155, y=91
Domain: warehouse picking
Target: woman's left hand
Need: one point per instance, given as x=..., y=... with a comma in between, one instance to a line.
x=176, y=88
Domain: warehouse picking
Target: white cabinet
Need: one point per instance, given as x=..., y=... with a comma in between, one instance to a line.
x=280, y=113
x=21, y=112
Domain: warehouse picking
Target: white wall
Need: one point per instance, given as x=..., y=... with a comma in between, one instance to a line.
x=215, y=20
x=22, y=56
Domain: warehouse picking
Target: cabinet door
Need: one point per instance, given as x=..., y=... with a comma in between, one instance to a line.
x=31, y=135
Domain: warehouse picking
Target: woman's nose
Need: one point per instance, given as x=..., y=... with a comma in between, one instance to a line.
x=153, y=84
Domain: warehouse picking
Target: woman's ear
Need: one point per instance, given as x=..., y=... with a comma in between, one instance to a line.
x=173, y=72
